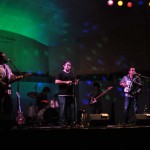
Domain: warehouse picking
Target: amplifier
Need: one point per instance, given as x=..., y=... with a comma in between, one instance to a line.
x=97, y=119
x=142, y=119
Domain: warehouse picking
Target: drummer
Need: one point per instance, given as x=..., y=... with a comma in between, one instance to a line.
x=42, y=98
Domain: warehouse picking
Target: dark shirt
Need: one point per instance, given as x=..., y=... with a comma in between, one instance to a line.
x=42, y=100
x=65, y=89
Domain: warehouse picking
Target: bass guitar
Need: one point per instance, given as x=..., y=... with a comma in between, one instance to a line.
x=20, y=119
x=94, y=100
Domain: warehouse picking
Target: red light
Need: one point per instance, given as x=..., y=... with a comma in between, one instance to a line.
x=129, y=4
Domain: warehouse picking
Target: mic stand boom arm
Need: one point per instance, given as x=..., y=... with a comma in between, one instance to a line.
x=145, y=77
x=17, y=70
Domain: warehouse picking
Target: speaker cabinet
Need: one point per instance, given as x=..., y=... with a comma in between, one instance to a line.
x=97, y=119
x=142, y=119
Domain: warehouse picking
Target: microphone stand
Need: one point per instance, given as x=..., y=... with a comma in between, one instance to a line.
x=75, y=102
x=145, y=77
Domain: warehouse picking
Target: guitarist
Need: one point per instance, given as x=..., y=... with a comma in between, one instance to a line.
x=96, y=107
x=6, y=76
x=132, y=86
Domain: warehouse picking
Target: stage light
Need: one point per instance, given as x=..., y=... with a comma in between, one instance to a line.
x=140, y=2
x=120, y=3
x=129, y=4
x=110, y=2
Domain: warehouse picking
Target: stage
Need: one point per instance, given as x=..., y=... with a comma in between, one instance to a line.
x=110, y=136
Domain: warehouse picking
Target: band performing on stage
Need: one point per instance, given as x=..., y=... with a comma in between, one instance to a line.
x=64, y=109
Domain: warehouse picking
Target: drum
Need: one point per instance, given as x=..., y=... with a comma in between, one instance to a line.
x=31, y=111
x=53, y=103
x=48, y=115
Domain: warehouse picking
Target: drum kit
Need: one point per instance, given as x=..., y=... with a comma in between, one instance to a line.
x=46, y=115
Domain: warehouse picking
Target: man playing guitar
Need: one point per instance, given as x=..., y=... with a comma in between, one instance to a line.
x=96, y=106
x=6, y=78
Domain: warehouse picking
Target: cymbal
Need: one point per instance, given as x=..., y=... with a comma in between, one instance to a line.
x=32, y=94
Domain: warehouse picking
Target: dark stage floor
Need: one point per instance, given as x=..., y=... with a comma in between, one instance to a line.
x=108, y=136
x=77, y=129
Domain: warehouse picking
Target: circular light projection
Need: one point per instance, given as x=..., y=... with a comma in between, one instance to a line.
x=120, y=3
x=110, y=2
x=129, y=4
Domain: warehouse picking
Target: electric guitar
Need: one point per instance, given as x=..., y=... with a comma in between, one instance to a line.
x=20, y=119
x=4, y=81
x=94, y=100
x=20, y=77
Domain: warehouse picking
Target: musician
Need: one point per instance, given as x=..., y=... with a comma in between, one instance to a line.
x=6, y=77
x=42, y=98
x=132, y=88
x=66, y=81
x=96, y=107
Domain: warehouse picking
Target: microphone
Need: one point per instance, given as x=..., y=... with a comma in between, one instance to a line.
x=9, y=60
x=138, y=74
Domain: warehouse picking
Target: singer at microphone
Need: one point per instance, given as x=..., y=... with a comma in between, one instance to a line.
x=66, y=94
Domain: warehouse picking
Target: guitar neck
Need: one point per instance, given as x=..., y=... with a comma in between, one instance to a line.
x=19, y=105
x=101, y=94
x=20, y=77
x=109, y=88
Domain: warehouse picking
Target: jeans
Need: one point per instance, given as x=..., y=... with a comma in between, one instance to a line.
x=66, y=109
x=128, y=102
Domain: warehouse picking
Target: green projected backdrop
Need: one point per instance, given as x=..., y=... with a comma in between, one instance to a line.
x=36, y=19
x=26, y=54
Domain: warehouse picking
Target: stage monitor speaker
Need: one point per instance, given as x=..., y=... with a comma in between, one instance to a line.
x=97, y=119
x=142, y=119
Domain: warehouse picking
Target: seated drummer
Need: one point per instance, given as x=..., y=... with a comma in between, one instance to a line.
x=42, y=98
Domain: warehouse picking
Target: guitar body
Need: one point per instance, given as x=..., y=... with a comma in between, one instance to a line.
x=20, y=119
x=93, y=101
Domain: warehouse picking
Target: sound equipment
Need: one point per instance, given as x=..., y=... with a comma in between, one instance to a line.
x=94, y=120
x=142, y=119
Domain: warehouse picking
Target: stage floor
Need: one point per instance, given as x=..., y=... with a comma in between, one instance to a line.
x=114, y=136
x=71, y=128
